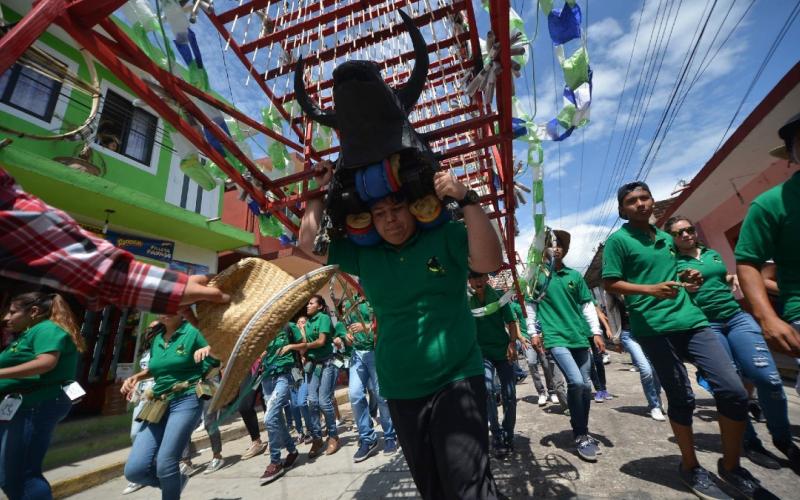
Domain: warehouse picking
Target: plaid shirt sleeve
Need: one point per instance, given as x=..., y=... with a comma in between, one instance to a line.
x=41, y=244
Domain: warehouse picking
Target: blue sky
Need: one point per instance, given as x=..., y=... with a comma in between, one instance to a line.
x=579, y=184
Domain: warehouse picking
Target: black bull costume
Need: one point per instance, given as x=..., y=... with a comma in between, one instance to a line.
x=381, y=153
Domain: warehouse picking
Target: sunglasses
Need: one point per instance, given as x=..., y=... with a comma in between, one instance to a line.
x=690, y=230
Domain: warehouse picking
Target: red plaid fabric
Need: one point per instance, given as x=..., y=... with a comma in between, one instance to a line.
x=44, y=245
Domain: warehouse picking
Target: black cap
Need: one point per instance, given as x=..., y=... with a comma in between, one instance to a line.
x=629, y=188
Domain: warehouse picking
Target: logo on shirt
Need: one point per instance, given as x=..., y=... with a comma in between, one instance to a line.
x=571, y=284
x=435, y=267
x=180, y=351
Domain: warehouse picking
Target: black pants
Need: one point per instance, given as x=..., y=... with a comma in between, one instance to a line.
x=598, y=372
x=247, y=409
x=445, y=439
x=701, y=347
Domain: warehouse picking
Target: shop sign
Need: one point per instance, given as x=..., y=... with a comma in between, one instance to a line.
x=188, y=267
x=144, y=247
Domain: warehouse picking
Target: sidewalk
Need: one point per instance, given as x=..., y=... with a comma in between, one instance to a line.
x=639, y=461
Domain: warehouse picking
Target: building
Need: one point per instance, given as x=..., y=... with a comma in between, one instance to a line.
x=122, y=181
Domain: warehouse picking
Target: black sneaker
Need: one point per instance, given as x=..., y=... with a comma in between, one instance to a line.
x=699, y=481
x=365, y=451
x=756, y=453
x=587, y=448
x=389, y=446
x=792, y=453
x=273, y=472
x=743, y=482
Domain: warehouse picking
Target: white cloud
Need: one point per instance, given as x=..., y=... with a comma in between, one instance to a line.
x=605, y=30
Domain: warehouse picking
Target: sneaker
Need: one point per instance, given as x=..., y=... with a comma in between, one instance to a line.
x=598, y=397
x=365, y=451
x=542, y=399
x=520, y=379
x=607, y=396
x=271, y=473
x=606, y=359
x=554, y=398
x=132, y=487
x=754, y=409
x=187, y=469
x=307, y=439
x=316, y=448
x=587, y=448
x=792, y=453
x=214, y=465
x=389, y=446
x=332, y=446
x=744, y=482
x=756, y=453
x=657, y=414
x=699, y=481
x=290, y=459
x=254, y=450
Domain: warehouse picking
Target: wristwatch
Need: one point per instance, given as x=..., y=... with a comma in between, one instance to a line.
x=471, y=198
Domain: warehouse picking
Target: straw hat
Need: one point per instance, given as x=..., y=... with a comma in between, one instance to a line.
x=264, y=298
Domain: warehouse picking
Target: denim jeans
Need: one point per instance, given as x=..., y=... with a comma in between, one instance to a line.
x=157, y=448
x=508, y=394
x=136, y=426
x=321, y=383
x=23, y=444
x=364, y=378
x=598, y=371
x=276, y=395
x=576, y=365
x=553, y=379
x=742, y=339
x=648, y=377
x=297, y=407
x=301, y=403
x=214, y=436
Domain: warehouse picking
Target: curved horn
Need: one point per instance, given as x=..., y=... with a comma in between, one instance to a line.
x=301, y=95
x=411, y=91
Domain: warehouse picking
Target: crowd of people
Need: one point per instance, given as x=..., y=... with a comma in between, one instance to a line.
x=427, y=304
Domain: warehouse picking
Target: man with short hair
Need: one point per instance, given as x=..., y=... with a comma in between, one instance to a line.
x=427, y=356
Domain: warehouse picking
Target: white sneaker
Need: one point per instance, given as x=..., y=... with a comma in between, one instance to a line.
x=553, y=398
x=542, y=399
x=657, y=414
x=131, y=488
x=606, y=359
x=214, y=465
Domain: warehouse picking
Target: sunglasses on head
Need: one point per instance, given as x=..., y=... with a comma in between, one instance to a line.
x=690, y=230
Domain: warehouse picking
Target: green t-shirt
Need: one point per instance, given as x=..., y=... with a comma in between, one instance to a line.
x=714, y=296
x=318, y=324
x=418, y=292
x=520, y=317
x=273, y=363
x=362, y=341
x=634, y=256
x=340, y=331
x=771, y=230
x=173, y=362
x=560, y=313
x=41, y=338
x=493, y=338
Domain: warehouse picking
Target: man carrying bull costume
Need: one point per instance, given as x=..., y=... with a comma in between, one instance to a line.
x=413, y=269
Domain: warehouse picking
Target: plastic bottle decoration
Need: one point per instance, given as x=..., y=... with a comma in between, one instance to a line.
x=360, y=229
x=143, y=22
x=277, y=151
x=377, y=181
x=177, y=18
x=429, y=212
x=191, y=164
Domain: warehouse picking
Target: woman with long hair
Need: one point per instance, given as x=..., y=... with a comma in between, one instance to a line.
x=742, y=339
x=34, y=368
x=179, y=360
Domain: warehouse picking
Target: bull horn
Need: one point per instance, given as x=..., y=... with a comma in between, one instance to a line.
x=301, y=95
x=412, y=89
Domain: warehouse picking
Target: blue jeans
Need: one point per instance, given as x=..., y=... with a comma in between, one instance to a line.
x=276, y=396
x=302, y=404
x=742, y=339
x=157, y=448
x=648, y=377
x=576, y=365
x=321, y=382
x=23, y=443
x=136, y=426
x=297, y=406
x=508, y=394
x=364, y=378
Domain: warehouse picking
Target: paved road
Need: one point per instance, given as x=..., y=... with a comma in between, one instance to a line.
x=639, y=459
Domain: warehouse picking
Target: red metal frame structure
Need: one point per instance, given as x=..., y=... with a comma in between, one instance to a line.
x=472, y=139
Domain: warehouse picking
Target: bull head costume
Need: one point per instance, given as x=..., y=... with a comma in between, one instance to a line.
x=380, y=152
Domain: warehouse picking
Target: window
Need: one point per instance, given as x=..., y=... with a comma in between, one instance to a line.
x=29, y=91
x=125, y=129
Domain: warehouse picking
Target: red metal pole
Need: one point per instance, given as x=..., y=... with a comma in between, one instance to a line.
x=27, y=30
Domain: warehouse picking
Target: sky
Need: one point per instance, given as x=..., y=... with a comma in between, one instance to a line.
x=638, y=51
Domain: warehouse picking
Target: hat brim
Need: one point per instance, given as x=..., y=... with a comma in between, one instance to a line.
x=780, y=152
x=259, y=322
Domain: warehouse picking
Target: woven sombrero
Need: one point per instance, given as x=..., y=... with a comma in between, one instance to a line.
x=264, y=298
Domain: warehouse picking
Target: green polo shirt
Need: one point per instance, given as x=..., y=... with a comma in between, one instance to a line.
x=771, y=230
x=275, y=364
x=492, y=335
x=362, y=341
x=634, y=256
x=173, y=362
x=41, y=338
x=418, y=292
x=560, y=313
x=714, y=296
x=318, y=324
x=520, y=317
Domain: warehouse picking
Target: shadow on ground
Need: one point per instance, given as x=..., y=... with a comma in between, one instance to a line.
x=523, y=475
x=391, y=480
x=661, y=470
